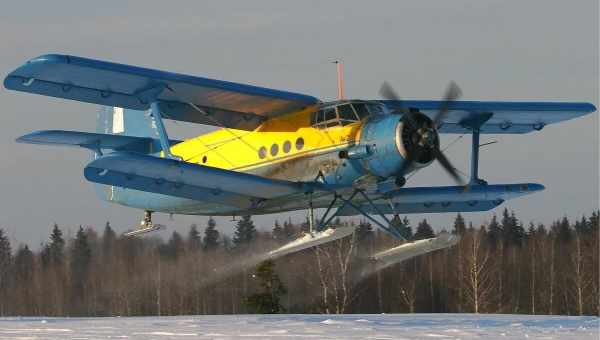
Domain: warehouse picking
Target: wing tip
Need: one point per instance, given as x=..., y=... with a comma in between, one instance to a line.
x=536, y=187
x=28, y=138
x=590, y=107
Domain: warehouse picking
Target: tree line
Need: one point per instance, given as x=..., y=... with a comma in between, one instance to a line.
x=502, y=266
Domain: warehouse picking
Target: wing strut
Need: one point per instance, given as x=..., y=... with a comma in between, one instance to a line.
x=162, y=132
x=474, y=122
x=151, y=95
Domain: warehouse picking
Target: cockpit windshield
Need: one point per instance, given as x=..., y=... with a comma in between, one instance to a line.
x=344, y=113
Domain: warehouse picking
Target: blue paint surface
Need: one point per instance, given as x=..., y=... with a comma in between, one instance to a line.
x=507, y=117
x=106, y=83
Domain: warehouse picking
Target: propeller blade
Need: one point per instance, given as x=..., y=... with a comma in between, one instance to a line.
x=453, y=92
x=410, y=119
x=448, y=166
x=387, y=92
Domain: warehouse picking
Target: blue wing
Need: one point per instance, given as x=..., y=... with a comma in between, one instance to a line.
x=502, y=117
x=93, y=141
x=446, y=199
x=186, y=180
x=222, y=103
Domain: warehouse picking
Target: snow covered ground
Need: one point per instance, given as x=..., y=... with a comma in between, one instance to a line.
x=390, y=326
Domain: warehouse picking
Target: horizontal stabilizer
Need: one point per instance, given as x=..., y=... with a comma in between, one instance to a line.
x=409, y=250
x=445, y=199
x=186, y=180
x=93, y=141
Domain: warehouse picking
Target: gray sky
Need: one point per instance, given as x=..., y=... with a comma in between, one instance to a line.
x=495, y=50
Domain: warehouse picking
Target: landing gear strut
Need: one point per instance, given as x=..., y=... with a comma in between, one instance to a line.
x=145, y=226
x=347, y=202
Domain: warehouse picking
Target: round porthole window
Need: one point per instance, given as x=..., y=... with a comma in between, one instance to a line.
x=204, y=159
x=262, y=152
x=287, y=146
x=299, y=143
x=274, y=149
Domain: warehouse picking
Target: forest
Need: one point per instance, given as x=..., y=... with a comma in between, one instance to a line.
x=502, y=266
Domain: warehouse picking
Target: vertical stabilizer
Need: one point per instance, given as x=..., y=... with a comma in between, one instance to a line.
x=120, y=121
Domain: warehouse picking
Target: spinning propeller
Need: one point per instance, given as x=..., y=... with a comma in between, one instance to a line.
x=420, y=135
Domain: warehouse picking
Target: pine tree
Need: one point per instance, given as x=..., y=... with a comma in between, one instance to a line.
x=402, y=226
x=531, y=231
x=290, y=230
x=108, y=239
x=5, y=251
x=424, y=231
x=194, y=239
x=80, y=257
x=245, y=231
x=57, y=245
x=24, y=262
x=563, y=231
x=269, y=300
x=494, y=232
x=512, y=229
x=45, y=257
x=211, y=235
x=594, y=220
x=5, y=262
x=583, y=226
x=174, y=247
x=459, y=225
x=278, y=232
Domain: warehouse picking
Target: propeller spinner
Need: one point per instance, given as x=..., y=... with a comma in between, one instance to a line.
x=420, y=135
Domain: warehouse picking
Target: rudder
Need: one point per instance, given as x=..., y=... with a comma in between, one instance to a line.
x=120, y=121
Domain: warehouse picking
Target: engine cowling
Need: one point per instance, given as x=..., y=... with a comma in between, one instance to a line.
x=387, y=141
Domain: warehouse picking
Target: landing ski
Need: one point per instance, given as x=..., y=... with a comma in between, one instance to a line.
x=311, y=240
x=144, y=230
x=409, y=250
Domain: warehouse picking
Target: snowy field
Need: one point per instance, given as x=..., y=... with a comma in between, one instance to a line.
x=391, y=326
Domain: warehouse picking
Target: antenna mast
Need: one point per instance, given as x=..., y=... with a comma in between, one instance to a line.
x=340, y=79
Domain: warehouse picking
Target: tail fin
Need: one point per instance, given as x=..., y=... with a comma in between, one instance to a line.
x=120, y=121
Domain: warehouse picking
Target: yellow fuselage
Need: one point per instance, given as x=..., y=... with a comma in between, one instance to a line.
x=277, y=140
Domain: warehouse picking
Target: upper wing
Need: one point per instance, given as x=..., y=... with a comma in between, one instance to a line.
x=221, y=103
x=504, y=117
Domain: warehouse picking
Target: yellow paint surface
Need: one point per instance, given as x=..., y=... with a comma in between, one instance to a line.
x=240, y=150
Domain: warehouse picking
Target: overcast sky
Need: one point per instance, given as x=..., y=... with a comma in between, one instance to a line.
x=495, y=50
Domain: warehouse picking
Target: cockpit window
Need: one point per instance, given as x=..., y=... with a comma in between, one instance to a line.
x=343, y=114
x=361, y=110
x=347, y=113
x=314, y=118
x=330, y=114
x=375, y=109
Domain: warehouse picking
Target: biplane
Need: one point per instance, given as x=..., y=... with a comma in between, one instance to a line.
x=277, y=151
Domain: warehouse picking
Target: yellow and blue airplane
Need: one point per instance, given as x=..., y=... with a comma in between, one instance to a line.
x=276, y=151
